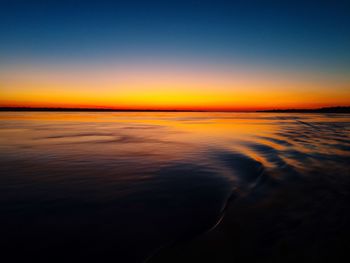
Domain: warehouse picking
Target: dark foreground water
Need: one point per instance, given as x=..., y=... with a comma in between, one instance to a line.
x=174, y=187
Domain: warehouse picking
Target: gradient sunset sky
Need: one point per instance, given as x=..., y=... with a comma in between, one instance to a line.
x=215, y=55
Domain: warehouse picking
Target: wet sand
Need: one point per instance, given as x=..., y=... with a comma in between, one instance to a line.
x=295, y=221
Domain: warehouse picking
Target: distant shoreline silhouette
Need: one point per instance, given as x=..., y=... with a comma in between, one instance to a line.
x=336, y=109
x=90, y=109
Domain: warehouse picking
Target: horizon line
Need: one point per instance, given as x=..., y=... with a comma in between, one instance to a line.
x=97, y=109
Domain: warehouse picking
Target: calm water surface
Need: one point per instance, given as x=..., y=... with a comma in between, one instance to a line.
x=130, y=187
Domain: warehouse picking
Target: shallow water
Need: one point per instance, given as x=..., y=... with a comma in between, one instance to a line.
x=124, y=187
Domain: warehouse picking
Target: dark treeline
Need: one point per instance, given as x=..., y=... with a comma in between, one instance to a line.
x=86, y=109
x=338, y=109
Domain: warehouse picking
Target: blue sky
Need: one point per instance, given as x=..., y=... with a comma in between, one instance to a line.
x=314, y=35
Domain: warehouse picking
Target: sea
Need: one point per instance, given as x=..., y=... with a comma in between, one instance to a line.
x=174, y=187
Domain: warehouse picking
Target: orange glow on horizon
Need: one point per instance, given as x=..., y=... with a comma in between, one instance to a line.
x=168, y=89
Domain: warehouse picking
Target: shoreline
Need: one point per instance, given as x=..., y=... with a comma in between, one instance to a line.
x=337, y=109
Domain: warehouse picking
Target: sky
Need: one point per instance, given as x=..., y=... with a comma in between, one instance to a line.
x=214, y=55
